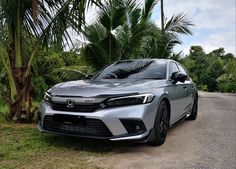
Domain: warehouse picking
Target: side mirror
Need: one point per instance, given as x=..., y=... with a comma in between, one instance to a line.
x=178, y=77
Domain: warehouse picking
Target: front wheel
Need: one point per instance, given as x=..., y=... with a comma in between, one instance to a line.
x=161, y=125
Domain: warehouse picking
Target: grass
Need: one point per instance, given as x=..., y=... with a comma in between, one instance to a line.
x=3, y=110
x=23, y=146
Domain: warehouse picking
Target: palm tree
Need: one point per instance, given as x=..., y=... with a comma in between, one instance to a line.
x=179, y=24
x=44, y=23
x=161, y=46
x=118, y=32
x=133, y=35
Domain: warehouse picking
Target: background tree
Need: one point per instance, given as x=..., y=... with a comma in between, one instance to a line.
x=41, y=23
x=132, y=35
x=215, y=71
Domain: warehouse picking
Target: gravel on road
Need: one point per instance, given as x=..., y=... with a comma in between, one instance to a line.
x=206, y=143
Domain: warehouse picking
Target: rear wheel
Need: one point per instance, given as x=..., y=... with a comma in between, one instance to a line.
x=161, y=125
x=193, y=113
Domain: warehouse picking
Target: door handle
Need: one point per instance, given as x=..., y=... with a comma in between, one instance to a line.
x=185, y=87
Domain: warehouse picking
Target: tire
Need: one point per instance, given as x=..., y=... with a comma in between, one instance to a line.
x=161, y=125
x=193, y=114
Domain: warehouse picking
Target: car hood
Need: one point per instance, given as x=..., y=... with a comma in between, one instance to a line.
x=91, y=88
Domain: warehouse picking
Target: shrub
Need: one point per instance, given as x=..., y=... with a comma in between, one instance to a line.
x=39, y=87
x=228, y=87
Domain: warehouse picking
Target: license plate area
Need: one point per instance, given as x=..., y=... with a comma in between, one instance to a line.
x=69, y=119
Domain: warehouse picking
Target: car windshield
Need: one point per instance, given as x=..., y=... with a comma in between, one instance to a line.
x=134, y=69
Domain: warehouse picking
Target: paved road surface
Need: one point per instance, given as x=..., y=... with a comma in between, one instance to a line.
x=207, y=143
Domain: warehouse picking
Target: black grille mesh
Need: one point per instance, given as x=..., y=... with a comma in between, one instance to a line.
x=72, y=125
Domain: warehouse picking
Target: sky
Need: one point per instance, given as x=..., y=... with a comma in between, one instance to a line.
x=215, y=23
x=214, y=20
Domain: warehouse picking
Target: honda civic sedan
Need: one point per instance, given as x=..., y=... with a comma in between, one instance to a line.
x=134, y=100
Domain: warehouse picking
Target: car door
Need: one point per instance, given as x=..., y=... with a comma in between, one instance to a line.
x=190, y=89
x=178, y=95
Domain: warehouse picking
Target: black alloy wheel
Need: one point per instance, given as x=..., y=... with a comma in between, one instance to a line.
x=161, y=125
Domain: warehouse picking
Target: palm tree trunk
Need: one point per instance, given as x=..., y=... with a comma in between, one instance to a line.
x=20, y=108
x=18, y=37
x=109, y=59
x=162, y=15
x=19, y=99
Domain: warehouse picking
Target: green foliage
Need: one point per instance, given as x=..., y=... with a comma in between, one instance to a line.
x=45, y=63
x=124, y=30
x=3, y=78
x=25, y=27
x=70, y=58
x=227, y=81
x=215, y=71
x=227, y=87
x=39, y=86
x=179, y=24
x=74, y=72
x=44, y=67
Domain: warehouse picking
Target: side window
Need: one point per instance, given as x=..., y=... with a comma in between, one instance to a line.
x=182, y=70
x=173, y=68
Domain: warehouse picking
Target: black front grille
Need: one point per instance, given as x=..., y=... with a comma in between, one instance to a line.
x=76, y=125
x=77, y=108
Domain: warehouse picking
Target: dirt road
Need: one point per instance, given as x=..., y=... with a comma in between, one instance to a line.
x=209, y=142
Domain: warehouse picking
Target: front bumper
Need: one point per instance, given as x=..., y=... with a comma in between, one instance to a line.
x=112, y=119
x=140, y=138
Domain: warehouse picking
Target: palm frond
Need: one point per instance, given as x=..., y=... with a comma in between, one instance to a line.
x=179, y=24
x=128, y=70
x=95, y=55
x=95, y=32
x=148, y=7
x=74, y=72
x=144, y=29
x=112, y=14
x=177, y=56
x=49, y=18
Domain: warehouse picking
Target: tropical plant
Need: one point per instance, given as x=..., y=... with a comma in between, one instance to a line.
x=130, y=68
x=38, y=23
x=227, y=81
x=133, y=35
x=118, y=32
x=179, y=24
x=215, y=71
x=74, y=72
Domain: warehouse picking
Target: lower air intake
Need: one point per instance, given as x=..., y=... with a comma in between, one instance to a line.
x=76, y=125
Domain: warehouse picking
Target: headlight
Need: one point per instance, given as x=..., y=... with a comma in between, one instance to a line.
x=47, y=97
x=130, y=100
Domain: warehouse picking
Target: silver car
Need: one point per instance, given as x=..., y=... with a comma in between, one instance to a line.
x=135, y=100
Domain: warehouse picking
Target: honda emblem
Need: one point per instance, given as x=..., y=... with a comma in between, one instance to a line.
x=70, y=104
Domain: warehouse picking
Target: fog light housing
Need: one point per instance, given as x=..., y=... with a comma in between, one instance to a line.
x=133, y=126
x=137, y=127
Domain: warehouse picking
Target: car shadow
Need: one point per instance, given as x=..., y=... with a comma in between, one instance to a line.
x=100, y=146
x=84, y=144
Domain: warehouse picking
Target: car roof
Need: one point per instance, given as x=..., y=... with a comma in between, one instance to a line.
x=163, y=60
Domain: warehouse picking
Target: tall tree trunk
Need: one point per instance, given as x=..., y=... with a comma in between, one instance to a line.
x=162, y=16
x=109, y=59
x=21, y=108
x=20, y=100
